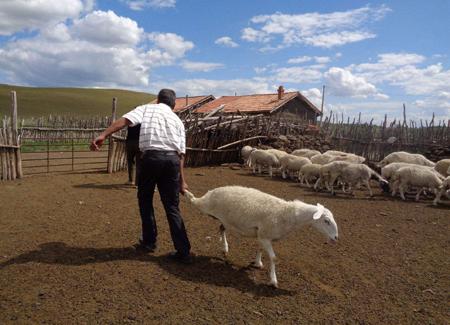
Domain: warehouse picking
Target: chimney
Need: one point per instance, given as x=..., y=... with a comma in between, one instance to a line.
x=280, y=92
x=187, y=100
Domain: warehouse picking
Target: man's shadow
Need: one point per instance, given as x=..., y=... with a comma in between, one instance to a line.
x=205, y=269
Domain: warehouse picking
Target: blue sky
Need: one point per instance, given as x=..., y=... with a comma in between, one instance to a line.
x=371, y=56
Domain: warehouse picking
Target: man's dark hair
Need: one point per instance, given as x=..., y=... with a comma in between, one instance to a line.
x=168, y=97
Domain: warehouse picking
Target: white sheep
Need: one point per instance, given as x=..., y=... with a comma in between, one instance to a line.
x=443, y=167
x=307, y=172
x=326, y=158
x=246, y=151
x=388, y=171
x=329, y=174
x=417, y=177
x=307, y=153
x=259, y=158
x=277, y=153
x=252, y=213
x=444, y=188
x=292, y=164
x=354, y=174
x=402, y=156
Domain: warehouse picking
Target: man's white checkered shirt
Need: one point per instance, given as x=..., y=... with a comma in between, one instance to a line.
x=161, y=128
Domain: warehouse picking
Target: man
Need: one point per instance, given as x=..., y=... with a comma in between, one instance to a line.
x=133, y=153
x=162, y=141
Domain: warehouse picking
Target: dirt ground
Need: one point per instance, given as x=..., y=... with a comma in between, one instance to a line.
x=66, y=257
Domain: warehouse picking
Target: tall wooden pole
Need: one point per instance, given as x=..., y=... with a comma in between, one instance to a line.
x=15, y=136
x=323, y=100
x=111, y=146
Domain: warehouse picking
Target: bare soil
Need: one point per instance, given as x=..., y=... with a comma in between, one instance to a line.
x=66, y=257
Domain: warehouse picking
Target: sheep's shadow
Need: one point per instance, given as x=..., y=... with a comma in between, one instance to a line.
x=121, y=187
x=205, y=269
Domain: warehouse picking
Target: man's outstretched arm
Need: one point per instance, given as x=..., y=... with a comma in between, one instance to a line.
x=114, y=127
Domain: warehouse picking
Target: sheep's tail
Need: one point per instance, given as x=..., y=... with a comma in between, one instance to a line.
x=191, y=198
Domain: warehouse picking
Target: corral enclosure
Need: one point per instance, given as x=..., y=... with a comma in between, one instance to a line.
x=60, y=143
x=66, y=256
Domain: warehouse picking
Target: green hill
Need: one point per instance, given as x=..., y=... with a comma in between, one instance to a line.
x=83, y=102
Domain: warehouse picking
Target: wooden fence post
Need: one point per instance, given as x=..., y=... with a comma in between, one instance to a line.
x=111, y=146
x=15, y=135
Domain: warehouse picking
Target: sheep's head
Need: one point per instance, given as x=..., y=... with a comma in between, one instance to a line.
x=323, y=221
x=384, y=184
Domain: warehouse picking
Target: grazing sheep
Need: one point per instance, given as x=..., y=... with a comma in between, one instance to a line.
x=388, y=171
x=307, y=172
x=445, y=187
x=326, y=158
x=277, y=153
x=259, y=158
x=417, y=177
x=354, y=174
x=291, y=163
x=329, y=174
x=402, y=156
x=443, y=167
x=252, y=213
x=307, y=153
x=246, y=151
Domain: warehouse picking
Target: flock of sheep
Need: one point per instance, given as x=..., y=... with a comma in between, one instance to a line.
x=252, y=213
x=400, y=171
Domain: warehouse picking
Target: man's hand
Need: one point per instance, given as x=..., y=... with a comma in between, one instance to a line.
x=183, y=187
x=97, y=143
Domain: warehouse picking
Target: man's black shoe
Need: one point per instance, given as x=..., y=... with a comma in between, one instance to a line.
x=144, y=248
x=185, y=259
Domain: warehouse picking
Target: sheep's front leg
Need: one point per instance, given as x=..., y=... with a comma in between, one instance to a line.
x=270, y=170
x=258, y=262
x=402, y=192
x=223, y=238
x=418, y=193
x=267, y=246
x=367, y=183
x=316, y=185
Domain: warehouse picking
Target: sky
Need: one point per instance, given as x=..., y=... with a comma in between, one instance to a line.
x=372, y=57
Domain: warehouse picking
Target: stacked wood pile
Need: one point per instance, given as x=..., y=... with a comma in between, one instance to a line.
x=289, y=143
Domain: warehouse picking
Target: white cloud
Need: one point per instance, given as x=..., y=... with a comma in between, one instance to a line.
x=314, y=95
x=98, y=50
x=342, y=82
x=320, y=60
x=297, y=75
x=337, y=39
x=321, y=30
x=107, y=29
x=200, y=66
x=300, y=59
x=20, y=15
x=172, y=43
x=142, y=4
x=226, y=41
x=196, y=87
x=253, y=35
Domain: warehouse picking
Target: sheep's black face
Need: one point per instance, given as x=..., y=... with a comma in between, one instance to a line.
x=385, y=186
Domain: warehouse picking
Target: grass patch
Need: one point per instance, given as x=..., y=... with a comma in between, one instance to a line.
x=82, y=102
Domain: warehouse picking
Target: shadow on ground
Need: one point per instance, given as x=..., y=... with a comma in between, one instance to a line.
x=205, y=269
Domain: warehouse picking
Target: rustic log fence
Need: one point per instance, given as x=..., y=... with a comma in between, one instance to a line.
x=60, y=143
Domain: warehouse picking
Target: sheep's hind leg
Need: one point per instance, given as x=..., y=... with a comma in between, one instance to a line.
x=258, y=263
x=223, y=238
x=267, y=245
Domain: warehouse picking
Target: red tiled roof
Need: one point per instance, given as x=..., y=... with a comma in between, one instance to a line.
x=181, y=105
x=264, y=103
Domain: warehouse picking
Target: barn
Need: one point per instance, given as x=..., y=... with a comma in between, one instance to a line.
x=291, y=105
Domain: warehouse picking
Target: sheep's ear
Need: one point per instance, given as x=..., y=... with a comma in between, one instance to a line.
x=320, y=210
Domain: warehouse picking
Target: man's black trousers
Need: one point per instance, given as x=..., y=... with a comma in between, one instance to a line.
x=161, y=168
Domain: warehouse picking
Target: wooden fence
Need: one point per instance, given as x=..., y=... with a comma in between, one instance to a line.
x=211, y=139
x=374, y=142
x=10, y=155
